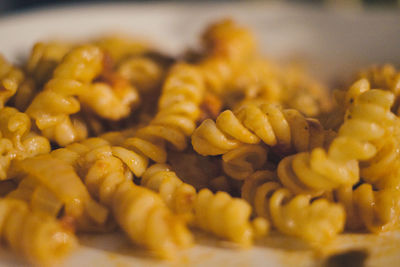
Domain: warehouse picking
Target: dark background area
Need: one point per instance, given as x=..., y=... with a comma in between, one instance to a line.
x=8, y=6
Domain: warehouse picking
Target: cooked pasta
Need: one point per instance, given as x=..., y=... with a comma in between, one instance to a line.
x=11, y=78
x=285, y=130
x=72, y=78
x=316, y=221
x=227, y=217
x=44, y=58
x=376, y=211
x=218, y=213
x=40, y=238
x=319, y=170
x=61, y=182
x=227, y=45
x=143, y=72
x=17, y=140
x=178, y=110
x=178, y=196
x=119, y=47
x=94, y=136
x=384, y=77
x=141, y=213
x=38, y=197
x=143, y=216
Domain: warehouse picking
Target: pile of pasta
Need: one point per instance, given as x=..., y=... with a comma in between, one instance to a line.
x=113, y=134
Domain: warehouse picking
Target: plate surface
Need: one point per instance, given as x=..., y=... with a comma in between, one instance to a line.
x=334, y=42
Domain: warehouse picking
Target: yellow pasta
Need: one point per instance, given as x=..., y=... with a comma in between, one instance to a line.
x=316, y=221
x=66, y=186
x=218, y=213
x=119, y=113
x=319, y=170
x=285, y=130
x=143, y=72
x=227, y=217
x=227, y=45
x=119, y=47
x=17, y=140
x=376, y=211
x=178, y=109
x=141, y=213
x=40, y=238
x=385, y=77
x=143, y=216
x=178, y=196
x=11, y=78
x=72, y=78
x=38, y=197
x=44, y=58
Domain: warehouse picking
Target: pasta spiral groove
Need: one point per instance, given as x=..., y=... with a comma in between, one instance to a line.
x=218, y=213
x=11, y=79
x=285, y=130
x=38, y=237
x=17, y=140
x=317, y=171
x=178, y=110
x=376, y=211
x=315, y=221
x=140, y=212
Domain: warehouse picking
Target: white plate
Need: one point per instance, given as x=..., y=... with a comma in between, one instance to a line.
x=333, y=41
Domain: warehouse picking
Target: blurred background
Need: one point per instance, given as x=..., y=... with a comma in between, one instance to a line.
x=7, y=6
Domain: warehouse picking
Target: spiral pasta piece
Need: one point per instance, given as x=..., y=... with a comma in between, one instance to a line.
x=344, y=99
x=178, y=110
x=366, y=208
x=141, y=213
x=51, y=107
x=382, y=169
x=17, y=140
x=146, y=219
x=60, y=181
x=226, y=44
x=112, y=98
x=385, y=77
x=11, y=78
x=41, y=239
x=38, y=197
x=71, y=83
x=218, y=213
x=315, y=221
x=319, y=170
x=227, y=39
x=143, y=72
x=178, y=196
x=285, y=130
x=227, y=217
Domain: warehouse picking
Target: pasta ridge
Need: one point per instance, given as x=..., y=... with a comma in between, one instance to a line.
x=178, y=110
x=17, y=140
x=319, y=170
x=316, y=221
x=40, y=238
x=141, y=213
x=366, y=208
x=217, y=213
x=284, y=130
